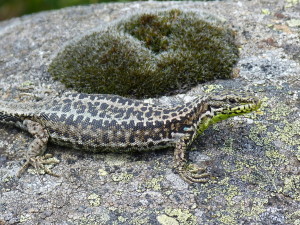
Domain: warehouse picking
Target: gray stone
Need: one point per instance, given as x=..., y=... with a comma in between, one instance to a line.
x=253, y=159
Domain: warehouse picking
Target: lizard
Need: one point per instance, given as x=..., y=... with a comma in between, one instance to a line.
x=105, y=122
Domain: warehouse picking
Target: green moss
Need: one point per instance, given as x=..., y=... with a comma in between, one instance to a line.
x=183, y=216
x=153, y=184
x=291, y=187
x=291, y=3
x=94, y=199
x=232, y=207
x=166, y=220
x=125, y=177
x=148, y=54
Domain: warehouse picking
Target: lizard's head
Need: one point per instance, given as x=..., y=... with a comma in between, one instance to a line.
x=223, y=106
x=229, y=105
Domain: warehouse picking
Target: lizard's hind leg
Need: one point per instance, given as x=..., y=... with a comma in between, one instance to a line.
x=35, y=154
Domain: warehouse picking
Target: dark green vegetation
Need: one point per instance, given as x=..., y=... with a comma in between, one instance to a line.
x=148, y=55
x=15, y=8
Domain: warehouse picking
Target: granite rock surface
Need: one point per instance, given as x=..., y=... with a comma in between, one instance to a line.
x=254, y=160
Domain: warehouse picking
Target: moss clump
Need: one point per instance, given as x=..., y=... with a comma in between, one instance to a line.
x=148, y=54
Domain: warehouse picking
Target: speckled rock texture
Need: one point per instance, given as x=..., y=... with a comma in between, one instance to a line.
x=254, y=160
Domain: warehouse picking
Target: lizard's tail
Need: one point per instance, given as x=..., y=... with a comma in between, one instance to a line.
x=11, y=112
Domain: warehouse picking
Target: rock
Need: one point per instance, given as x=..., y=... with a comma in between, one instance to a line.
x=255, y=179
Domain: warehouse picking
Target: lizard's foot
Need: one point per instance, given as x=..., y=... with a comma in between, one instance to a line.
x=193, y=173
x=39, y=163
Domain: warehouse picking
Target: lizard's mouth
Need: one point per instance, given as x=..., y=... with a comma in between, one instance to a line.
x=245, y=108
x=237, y=109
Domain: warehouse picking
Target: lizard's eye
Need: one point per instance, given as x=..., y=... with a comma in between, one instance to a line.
x=232, y=100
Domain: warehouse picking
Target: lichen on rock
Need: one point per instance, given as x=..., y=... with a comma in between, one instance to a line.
x=148, y=54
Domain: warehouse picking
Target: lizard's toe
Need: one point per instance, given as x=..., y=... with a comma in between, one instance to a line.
x=194, y=174
x=41, y=164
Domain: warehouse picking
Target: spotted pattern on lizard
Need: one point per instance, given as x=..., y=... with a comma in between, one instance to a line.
x=98, y=122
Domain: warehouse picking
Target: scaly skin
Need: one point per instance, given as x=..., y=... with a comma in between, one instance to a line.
x=113, y=123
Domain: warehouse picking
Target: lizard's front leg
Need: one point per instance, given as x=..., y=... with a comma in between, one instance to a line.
x=189, y=172
x=35, y=154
